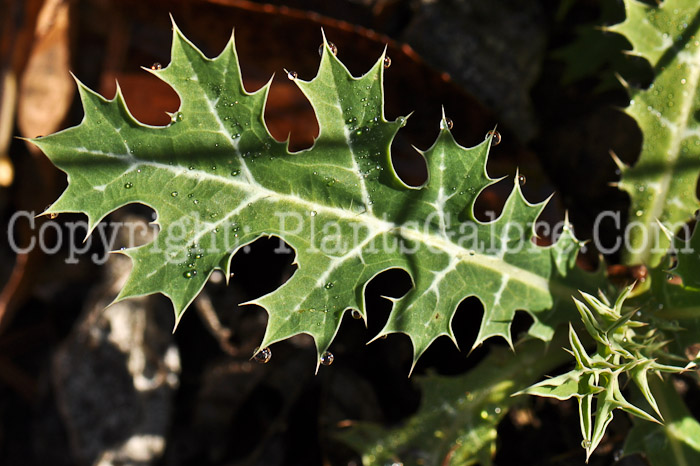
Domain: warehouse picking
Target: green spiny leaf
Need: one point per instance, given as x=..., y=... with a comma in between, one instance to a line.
x=218, y=181
x=620, y=351
x=662, y=182
x=639, y=375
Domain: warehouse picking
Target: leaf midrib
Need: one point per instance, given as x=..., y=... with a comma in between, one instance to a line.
x=375, y=225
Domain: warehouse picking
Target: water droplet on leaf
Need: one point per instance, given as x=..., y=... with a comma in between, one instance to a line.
x=156, y=66
x=522, y=180
x=263, y=356
x=173, y=194
x=292, y=75
x=446, y=123
x=331, y=45
x=189, y=274
x=329, y=285
x=496, y=137
x=356, y=314
x=387, y=62
x=128, y=185
x=327, y=358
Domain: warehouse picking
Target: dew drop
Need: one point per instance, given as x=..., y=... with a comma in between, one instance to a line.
x=329, y=285
x=313, y=213
x=189, y=274
x=327, y=358
x=356, y=314
x=263, y=356
x=173, y=194
x=387, y=62
x=639, y=213
x=235, y=172
x=195, y=202
x=53, y=215
x=522, y=180
x=446, y=123
x=179, y=116
x=586, y=444
x=496, y=137
x=484, y=414
x=292, y=75
x=128, y=185
x=156, y=66
x=331, y=45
